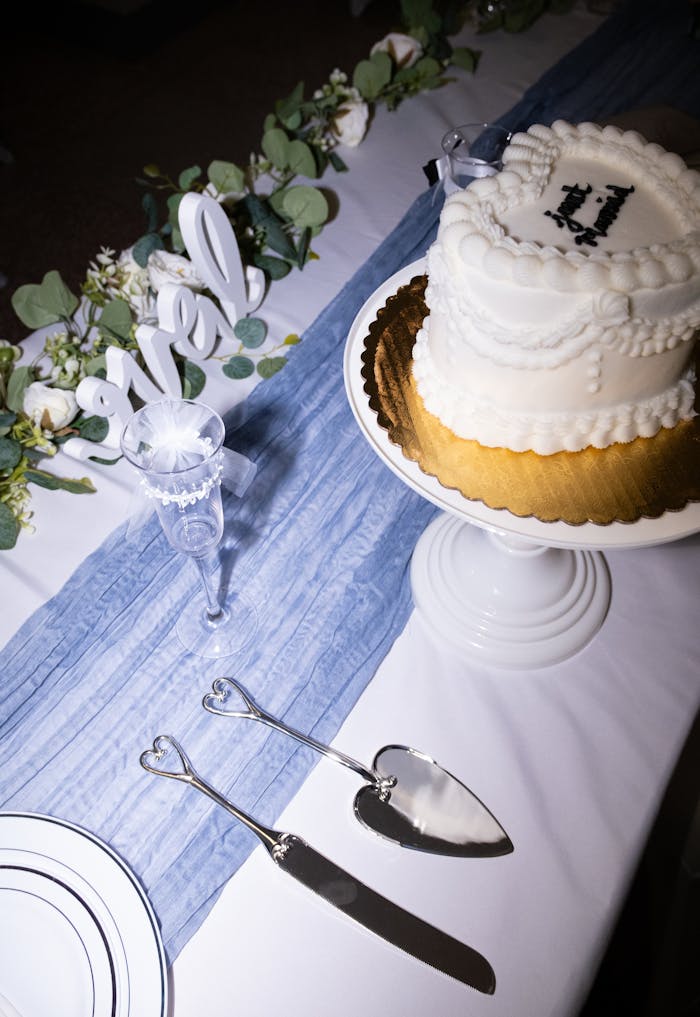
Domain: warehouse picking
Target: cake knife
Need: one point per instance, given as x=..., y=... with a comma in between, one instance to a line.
x=293, y=855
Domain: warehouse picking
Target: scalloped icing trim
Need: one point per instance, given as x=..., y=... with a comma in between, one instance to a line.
x=547, y=433
x=468, y=221
x=601, y=317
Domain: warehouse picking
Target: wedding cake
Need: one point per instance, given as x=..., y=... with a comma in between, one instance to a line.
x=564, y=294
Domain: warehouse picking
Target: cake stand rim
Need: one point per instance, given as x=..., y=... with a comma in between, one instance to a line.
x=643, y=532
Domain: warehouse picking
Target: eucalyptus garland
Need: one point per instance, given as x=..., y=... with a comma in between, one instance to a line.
x=275, y=219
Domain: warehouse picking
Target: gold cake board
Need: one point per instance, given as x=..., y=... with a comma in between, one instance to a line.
x=622, y=483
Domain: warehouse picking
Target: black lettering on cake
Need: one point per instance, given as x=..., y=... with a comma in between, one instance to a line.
x=606, y=217
x=575, y=198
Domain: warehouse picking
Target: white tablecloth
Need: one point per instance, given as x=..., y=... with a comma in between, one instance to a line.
x=572, y=759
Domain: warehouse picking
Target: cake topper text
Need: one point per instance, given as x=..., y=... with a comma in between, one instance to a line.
x=574, y=200
x=189, y=323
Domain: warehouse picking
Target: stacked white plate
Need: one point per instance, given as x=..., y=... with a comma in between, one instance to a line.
x=78, y=936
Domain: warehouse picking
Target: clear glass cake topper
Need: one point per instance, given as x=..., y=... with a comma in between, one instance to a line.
x=177, y=447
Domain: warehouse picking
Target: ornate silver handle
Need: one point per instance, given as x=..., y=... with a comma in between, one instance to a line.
x=167, y=758
x=223, y=688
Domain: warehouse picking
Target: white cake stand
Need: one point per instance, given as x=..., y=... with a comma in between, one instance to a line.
x=517, y=592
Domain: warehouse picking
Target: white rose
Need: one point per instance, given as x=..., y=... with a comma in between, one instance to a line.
x=350, y=122
x=50, y=408
x=403, y=49
x=164, y=267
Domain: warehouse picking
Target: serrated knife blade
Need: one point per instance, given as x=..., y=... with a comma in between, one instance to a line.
x=351, y=896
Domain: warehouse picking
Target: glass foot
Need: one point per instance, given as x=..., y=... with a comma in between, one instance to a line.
x=230, y=633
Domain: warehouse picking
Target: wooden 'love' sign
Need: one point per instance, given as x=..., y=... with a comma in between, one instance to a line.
x=189, y=323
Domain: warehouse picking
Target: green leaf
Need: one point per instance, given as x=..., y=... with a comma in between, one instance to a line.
x=97, y=366
x=306, y=206
x=420, y=12
x=19, y=379
x=304, y=242
x=144, y=248
x=7, y=419
x=294, y=121
x=276, y=201
x=251, y=332
x=337, y=163
x=278, y=240
x=258, y=210
x=522, y=16
x=262, y=216
x=116, y=320
x=301, y=159
x=275, y=268
x=150, y=207
x=269, y=122
x=35, y=455
x=173, y=204
x=321, y=159
x=238, y=368
x=188, y=177
x=226, y=176
x=10, y=454
x=465, y=58
x=178, y=244
x=9, y=528
x=275, y=146
x=92, y=428
x=45, y=303
x=288, y=109
x=427, y=68
x=193, y=381
x=270, y=366
x=75, y=485
x=370, y=76
x=152, y=170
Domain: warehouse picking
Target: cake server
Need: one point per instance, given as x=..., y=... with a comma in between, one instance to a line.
x=293, y=855
x=408, y=797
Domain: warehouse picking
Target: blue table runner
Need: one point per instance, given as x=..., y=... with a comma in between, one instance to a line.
x=321, y=543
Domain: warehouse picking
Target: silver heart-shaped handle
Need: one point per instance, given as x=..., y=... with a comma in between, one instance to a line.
x=167, y=758
x=222, y=690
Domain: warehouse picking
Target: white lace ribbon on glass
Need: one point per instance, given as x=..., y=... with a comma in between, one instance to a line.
x=234, y=471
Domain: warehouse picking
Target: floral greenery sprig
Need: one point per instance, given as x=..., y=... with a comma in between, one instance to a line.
x=275, y=219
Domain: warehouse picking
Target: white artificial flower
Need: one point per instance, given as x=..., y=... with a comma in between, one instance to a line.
x=403, y=49
x=164, y=267
x=350, y=122
x=50, y=408
x=135, y=285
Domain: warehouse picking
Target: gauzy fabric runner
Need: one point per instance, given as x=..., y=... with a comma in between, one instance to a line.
x=320, y=543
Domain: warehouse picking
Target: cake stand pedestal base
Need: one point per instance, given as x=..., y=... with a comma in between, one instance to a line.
x=504, y=599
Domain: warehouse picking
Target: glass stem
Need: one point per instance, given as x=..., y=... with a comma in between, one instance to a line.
x=213, y=605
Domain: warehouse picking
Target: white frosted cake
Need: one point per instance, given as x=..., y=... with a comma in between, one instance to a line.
x=564, y=294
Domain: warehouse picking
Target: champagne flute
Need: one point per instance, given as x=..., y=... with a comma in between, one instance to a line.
x=176, y=445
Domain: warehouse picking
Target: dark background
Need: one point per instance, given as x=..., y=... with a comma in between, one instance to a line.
x=94, y=91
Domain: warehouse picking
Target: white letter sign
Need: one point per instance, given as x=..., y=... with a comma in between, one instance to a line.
x=189, y=323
